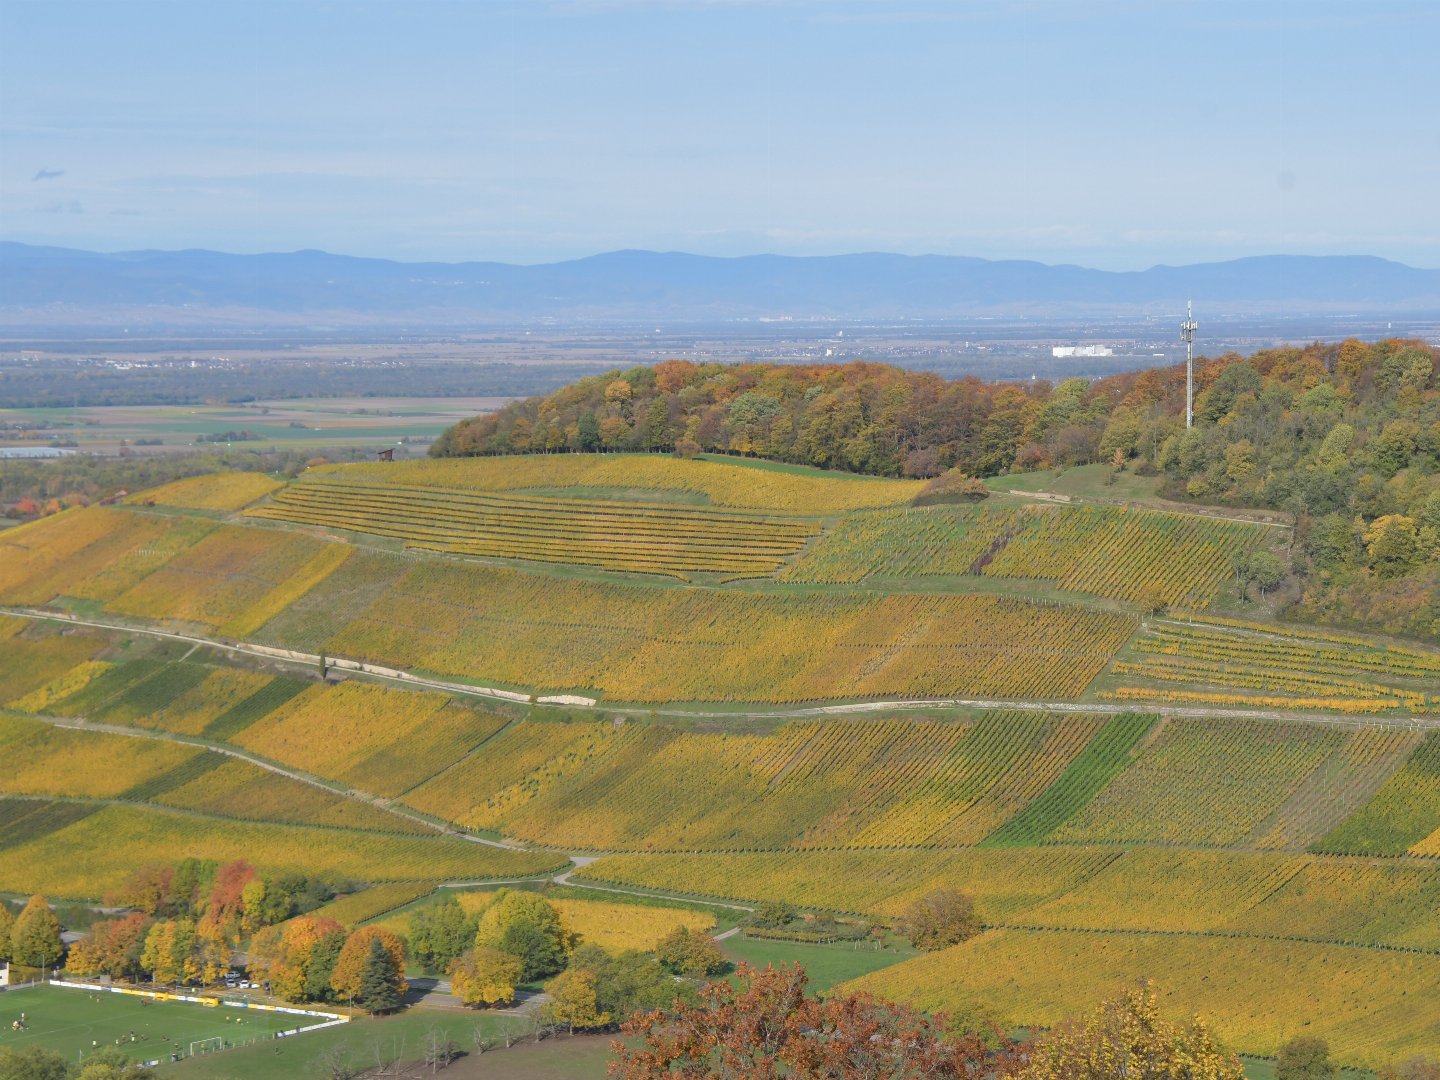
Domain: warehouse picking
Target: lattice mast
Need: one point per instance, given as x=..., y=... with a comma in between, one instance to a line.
x=1187, y=335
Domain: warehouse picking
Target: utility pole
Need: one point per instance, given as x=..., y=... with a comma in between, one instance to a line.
x=1187, y=334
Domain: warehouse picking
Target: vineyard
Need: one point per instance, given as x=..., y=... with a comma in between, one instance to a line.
x=1136, y=555
x=732, y=484
x=30, y=664
x=883, y=883
x=1404, y=814
x=642, y=644
x=1204, y=782
x=1373, y=1007
x=306, y=731
x=371, y=903
x=45, y=760
x=95, y=854
x=617, y=927
x=1256, y=894
x=1270, y=873
x=234, y=579
x=861, y=783
x=215, y=491
x=650, y=539
x=96, y=553
x=1229, y=662
x=238, y=789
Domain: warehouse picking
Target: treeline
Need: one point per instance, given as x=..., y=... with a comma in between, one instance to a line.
x=187, y=920
x=1345, y=436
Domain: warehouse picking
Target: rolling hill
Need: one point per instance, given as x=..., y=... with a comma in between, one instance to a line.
x=801, y=686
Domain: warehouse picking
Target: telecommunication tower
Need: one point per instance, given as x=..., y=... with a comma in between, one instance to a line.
x=1187, y=335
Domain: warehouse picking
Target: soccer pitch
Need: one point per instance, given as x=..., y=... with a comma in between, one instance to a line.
x=78, y=1022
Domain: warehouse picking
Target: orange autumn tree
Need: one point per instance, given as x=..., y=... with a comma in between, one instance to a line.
x=763, y=1026
x=112, y=947
x=349, y=971
x=289, y=953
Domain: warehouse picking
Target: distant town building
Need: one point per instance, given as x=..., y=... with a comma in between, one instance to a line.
x=1081, y=350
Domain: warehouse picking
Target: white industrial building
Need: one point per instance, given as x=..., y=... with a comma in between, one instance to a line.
x=1081, y=350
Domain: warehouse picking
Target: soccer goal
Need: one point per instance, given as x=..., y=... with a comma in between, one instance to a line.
x=207, y=1046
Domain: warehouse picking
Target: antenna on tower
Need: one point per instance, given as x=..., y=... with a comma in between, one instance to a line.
x=1187, y=335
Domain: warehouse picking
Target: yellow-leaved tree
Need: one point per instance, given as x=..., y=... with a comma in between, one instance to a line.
x=574, y=1002
x=1126, y=1036
x=485, y=976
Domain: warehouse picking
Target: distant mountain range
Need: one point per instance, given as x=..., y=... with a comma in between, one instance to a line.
x=48, y=285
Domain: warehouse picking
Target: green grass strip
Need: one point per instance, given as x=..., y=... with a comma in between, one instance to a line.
x=1094, y=767
x=241, y=715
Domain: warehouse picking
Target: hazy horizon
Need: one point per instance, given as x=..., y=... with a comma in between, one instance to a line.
x=459, y=261
x=1121, y=137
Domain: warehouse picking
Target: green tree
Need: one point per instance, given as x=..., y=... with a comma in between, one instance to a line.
x=35, y=937
x=1392, y=542
x=440, y=932
x=32, y=1063
x=348, y=977
x=1305, y=1058
x=1263, y=569
x=773, y=914
x=589, y=433
x=629, y=982
x=525, y=925
x=7, y=927
x=321, y=968
x=378, y=979
x=110, y=1063
x=943, y=918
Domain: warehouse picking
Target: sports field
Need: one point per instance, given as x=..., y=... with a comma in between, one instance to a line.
x=76, y=1022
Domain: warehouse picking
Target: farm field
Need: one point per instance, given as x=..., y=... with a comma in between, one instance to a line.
x=298, y=424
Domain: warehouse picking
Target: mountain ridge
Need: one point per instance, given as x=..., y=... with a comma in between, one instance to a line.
x=635, y=284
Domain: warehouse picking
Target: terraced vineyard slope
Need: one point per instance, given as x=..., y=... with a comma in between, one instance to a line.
x=652, y=539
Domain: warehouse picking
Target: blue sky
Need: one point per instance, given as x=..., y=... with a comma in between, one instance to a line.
x=1116, y=135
